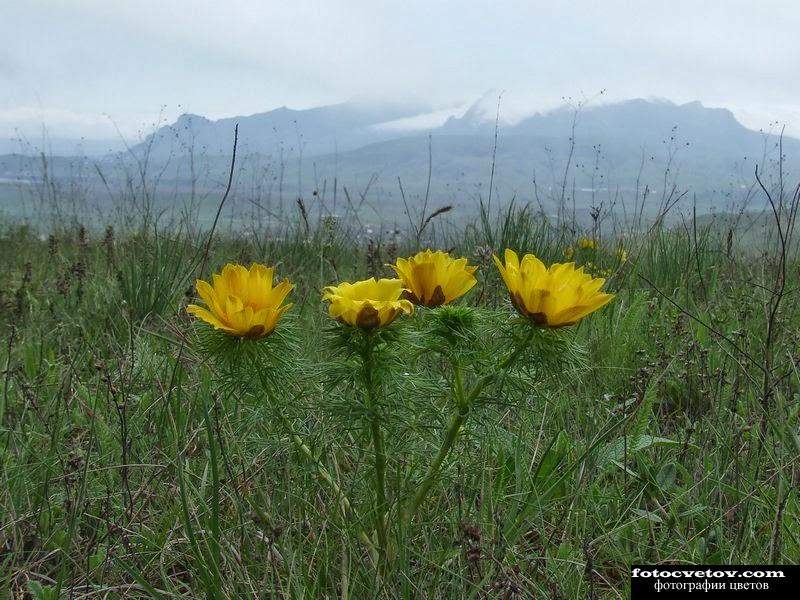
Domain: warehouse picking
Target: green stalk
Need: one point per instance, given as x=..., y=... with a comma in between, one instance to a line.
x=323, y=475
x=463, y=403
x=380, y=482
x=378, y=448
x=456, y=421
x=216, y=547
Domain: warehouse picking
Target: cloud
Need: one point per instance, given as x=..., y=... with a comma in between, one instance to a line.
x=136, y=60
x=423, y=121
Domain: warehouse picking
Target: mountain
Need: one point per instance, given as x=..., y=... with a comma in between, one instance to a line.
x=321, y=130
x=618, y=148
x=708, y=144
x=613, y=153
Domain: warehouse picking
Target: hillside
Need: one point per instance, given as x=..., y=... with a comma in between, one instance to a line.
x=618, y=149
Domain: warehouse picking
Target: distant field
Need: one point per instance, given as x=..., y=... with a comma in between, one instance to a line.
x=248, y=210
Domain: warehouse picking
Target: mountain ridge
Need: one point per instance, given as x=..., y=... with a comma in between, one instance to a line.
x=343, y=127
x=617, y=148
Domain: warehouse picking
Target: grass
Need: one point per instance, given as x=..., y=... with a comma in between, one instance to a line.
x=138, y=461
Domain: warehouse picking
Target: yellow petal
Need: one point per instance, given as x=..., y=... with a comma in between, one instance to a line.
x=205, y=315
x=553, y=296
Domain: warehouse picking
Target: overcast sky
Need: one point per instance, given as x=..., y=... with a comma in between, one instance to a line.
x=78, y=65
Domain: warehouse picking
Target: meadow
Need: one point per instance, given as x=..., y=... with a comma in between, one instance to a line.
x=143, y=454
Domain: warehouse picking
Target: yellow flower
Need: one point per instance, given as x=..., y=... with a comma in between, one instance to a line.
x=555, y=297
x=587, y=244
x=434, y=278
x=569, y=252
x=367, y=304
x=622, y=254
x=242, y=302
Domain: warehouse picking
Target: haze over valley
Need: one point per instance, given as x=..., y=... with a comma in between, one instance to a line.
x=582, y=154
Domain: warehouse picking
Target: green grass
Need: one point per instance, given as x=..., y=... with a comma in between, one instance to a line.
x=137, y=459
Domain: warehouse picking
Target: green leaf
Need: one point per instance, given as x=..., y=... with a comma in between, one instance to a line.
x=96, y=559
x=40, y=592
x=635, y=440
x=666, y=476
x=615, y=450
x=548, y=466
x=646, y=514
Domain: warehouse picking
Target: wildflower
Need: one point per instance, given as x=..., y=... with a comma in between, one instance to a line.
x=242, y=302
x=622, y=254
x=587, y=244
x=551, y=297
x=434, y=278
x=367, y=304
x=569, y=252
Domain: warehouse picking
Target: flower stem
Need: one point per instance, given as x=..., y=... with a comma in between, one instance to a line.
x=325, y=477
x=322, y=473
x=380, y=482
x=463, y=403
x=378, y=448
x=456, y=421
